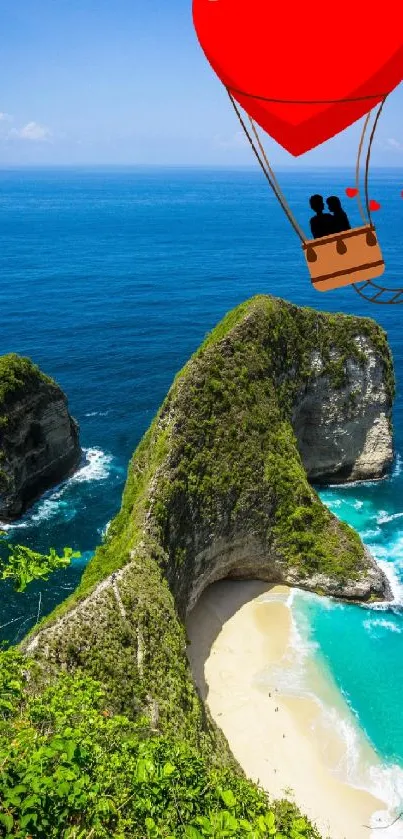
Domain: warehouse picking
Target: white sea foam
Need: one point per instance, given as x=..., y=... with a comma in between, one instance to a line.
x=97, y=414
x=383, y=517
x=398, y=466
x=290, y=598
x=386, y=782
x=104, y=530
x=395, y=583
x=372, y=624
x=383, y=781
x=371, y=534
x=333, y=503
x=290, y=677
x=7, y=525
x=96, y=466
x=357, y=484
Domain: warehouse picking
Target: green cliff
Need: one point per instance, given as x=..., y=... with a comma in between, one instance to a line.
x=217, y=488
x=39, y=442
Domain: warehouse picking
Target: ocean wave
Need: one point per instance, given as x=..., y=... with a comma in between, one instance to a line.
x=96, y=466
x=370, y=534
x=395, y=583
x=10, y=525
x=332, y=503
x=383, y=781
x=381, y=623
x=290, y=676
x=97, y=414
x=104, y=530
x=290, y=599
x=300, y=674
x=383, y=517
x=352, y=484
x=398, y=466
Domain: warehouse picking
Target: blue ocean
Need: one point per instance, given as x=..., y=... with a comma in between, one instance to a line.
x=110, y=279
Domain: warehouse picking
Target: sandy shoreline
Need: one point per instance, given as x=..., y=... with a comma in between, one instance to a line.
x=235, y=635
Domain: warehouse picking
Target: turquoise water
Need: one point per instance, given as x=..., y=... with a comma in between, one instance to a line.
x=110, y=280
x=364, y=646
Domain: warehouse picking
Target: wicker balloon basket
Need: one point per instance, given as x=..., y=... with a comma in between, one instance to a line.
x=344, y=258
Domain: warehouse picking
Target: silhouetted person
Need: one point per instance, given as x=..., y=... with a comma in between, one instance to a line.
x=322, y=223
x=340, y=220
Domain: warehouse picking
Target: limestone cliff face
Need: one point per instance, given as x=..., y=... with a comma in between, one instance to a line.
x=344, y=433
x=39, y=442
x=217, y=488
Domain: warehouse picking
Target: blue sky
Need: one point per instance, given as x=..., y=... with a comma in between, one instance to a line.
x=126, y=82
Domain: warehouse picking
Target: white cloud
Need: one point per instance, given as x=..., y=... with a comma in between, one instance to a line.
x=35, y=132
x=392, y=143
x=5, y=117
x=237, y=141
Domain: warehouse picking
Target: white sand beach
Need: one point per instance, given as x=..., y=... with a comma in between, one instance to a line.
x=235, y=635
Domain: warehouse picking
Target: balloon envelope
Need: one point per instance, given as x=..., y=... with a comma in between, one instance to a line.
x=290, y=65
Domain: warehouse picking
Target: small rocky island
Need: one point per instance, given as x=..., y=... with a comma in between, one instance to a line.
x=218, y=487
x=39, y=444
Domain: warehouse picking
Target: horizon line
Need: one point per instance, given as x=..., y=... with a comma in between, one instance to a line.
x=308, y=167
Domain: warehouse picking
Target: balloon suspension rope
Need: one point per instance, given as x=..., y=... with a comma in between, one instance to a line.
x=284, y=202
x=368, y=159
x=379, y=294
x=357, y=169
x=270, y=177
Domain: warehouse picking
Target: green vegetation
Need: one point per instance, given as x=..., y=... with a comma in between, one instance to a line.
x=233, y=437
x=23, y=565
x=16, y=375
x=71, y=769
x=103, y=733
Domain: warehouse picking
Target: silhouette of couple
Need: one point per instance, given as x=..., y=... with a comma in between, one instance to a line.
x=323, y=224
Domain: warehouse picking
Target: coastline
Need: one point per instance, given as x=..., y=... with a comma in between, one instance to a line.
x=241, y=648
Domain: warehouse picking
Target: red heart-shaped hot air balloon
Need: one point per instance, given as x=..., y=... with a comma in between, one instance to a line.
x=304, y=72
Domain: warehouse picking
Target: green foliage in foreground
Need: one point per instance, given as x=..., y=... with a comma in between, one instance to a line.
x=22, y=565
x=70, y=769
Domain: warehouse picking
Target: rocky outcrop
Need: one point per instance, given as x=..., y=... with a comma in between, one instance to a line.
x=344, y=433
x=217, y=488
x=39, y=443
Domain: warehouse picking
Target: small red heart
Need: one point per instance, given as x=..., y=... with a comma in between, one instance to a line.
x=374, y=205
x=351, y=192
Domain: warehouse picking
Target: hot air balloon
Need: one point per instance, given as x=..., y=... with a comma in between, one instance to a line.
x=304, y=73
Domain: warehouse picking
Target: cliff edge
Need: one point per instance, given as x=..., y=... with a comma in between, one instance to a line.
x=217, y=488
x=39, y=443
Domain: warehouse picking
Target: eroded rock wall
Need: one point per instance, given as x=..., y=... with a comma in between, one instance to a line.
x=39, y=441
x=217, y=488
x=344, y=433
